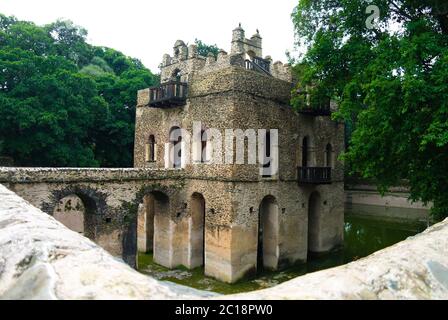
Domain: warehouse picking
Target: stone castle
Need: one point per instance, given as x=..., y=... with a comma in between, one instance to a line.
x=233, y=219
x=227, y=217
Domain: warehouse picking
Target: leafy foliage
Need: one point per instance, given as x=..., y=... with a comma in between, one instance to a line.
x=391, y=83
x=64, y=102
x=205, y=49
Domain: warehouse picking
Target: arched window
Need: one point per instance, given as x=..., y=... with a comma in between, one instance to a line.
x=176, y=143
x=305, y=152
x=176, y=75
x=204, y=138
x=329, y=156
x=267, y=154
x=151, y=149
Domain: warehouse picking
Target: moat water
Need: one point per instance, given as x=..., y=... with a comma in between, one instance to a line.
x=363, y=236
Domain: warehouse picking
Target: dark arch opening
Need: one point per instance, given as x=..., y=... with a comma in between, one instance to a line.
x=329, y=156
x=153, y=203
x=150, y=157
x=176, y=75
x=197, y=236
x=267, y=154
x=204, y=140
x=314, y=210
x=267, y=234
x=305, y=151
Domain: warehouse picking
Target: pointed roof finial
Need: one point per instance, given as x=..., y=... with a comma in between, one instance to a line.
x=258, y=31
x=239, y=25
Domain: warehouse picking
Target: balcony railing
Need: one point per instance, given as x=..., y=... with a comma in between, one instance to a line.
x=172, y=93
x=259, y=65
x=317, y=108
x=314, y=175
x=316, y=111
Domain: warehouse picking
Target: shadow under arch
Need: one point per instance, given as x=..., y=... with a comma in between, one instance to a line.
x=151, y=204
x=197, y=231
x=314, y=212
x=268, y=234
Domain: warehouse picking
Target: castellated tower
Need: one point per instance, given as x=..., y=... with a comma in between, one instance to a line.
x=235, y=218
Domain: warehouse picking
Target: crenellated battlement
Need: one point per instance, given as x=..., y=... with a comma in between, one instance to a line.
x=245, y=53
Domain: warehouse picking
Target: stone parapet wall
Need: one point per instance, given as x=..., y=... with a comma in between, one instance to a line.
x=366, y=200
x=33, y=175
x=41, y=259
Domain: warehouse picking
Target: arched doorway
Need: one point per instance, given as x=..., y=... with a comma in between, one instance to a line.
x=314, y=211
x=163, y=233
x=197, y=231
x=153, y=203
x=268, y=227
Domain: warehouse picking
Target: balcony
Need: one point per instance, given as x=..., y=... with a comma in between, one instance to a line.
x=169, y=94
x=325, y=112
x=315, y=107
x=314, y=175
x=259, y=65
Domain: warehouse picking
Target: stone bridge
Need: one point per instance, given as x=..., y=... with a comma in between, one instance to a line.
x=42, y=259
x=103, y=202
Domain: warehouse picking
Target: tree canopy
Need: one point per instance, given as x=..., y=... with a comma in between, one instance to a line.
x=389, y=75
x=64, y=102
x=204, y=49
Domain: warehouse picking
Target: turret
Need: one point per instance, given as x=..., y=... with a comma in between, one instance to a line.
x=256, y=40
x=238, y=36
x=180, y=50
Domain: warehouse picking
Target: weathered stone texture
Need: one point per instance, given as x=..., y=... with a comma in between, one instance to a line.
x=41, y=259
x=224, y=95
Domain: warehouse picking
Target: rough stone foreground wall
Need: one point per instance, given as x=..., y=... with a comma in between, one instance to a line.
x=41, y=259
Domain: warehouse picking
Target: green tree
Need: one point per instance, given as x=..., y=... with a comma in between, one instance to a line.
x=391, y=83
x=205, y=49
x=64, y=102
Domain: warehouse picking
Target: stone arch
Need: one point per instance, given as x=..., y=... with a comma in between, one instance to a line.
x=145, y=224
x=158, y=215
x=268, y=234
x=93, y=201
x=314, y=222
x=70, y=211
x=197, y=231
x=176, y=75
x=251, y=54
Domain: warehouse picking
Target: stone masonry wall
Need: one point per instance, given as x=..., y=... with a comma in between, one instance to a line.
x=42, y=259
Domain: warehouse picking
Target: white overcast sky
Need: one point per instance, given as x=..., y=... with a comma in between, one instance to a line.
x=147, y=29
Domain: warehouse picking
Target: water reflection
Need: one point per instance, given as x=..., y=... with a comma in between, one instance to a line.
x=363, y=236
